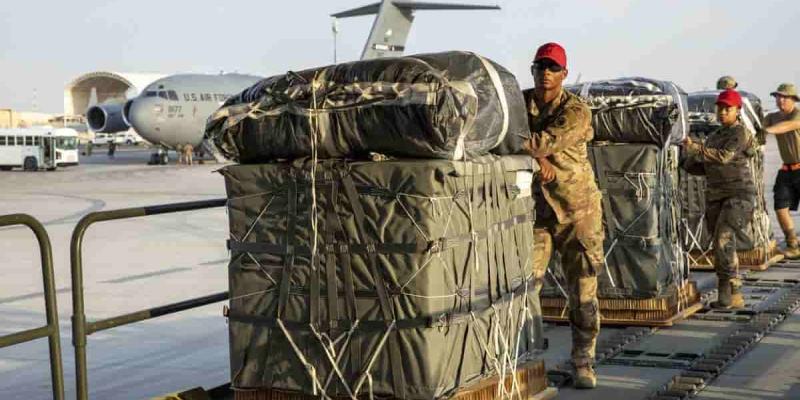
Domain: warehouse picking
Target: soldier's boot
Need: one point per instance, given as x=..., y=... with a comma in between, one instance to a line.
x=728, y=297
x=792, y=251
x=737, y=298
x=585, y=377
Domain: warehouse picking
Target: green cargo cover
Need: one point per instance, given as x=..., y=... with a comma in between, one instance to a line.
x=644, y=257
x=416, y=283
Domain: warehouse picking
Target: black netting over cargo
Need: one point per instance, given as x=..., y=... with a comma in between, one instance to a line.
x=636, y=110
x=697, y=238
x=446, y=105
x=643, y=254
x=412, y=277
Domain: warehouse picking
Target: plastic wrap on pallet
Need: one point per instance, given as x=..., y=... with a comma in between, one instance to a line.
x=412, y=277
x=447, y=105
x=643, y=253
x=636, y=110
x=757, y=231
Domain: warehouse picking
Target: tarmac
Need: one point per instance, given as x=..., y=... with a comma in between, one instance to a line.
x=139, y=263
x=129, y=265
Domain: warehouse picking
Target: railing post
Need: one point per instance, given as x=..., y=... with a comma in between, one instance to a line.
x=51, y=306
x=78, y=316
x=80, y=328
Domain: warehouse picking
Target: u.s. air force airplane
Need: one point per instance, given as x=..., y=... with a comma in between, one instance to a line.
x=172, y=111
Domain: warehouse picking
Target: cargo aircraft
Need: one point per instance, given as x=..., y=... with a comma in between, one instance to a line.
x=172, y=111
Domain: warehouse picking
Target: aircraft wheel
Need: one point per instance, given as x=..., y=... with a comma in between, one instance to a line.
x=164, y=158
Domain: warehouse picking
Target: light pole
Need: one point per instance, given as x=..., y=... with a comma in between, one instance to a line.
x=335, y=31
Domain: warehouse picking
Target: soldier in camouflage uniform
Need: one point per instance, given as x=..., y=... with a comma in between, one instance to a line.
x=731, y=191
x=569, y=217
x=727, y=82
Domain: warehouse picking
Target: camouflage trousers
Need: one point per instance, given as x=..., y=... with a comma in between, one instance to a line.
x=725, y=218
x=580, y=247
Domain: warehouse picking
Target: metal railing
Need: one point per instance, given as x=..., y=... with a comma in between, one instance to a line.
x=50, y=330
x=80, y=327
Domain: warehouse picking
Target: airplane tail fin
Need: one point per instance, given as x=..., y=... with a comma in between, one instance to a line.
x=389, y=32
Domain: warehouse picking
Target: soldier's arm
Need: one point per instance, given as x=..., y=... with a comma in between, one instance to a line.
x=723, y=155
x=567, y=130
x=783, y=127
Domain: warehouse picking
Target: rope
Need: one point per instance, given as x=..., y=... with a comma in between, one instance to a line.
x=312, y=373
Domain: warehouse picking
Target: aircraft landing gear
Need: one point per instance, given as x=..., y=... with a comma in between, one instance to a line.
x=160, y=157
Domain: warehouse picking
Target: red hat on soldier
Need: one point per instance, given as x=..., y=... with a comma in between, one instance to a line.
x=730, y=98
x=552, y=51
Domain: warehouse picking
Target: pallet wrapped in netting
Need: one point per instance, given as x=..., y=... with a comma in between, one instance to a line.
x=447, y=105
x=636, y=110
x=399, y=279
x=755, y=247
x=645, y=278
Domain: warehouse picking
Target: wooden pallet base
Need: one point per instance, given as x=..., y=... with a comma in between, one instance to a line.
x=754, y=260
x=758, y=267
x=531, y=379
x=662, y=311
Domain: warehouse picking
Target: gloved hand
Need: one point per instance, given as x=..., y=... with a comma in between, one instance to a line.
x=546, y=170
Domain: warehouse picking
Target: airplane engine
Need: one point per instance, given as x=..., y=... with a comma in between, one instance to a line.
x=126, y=109
x=106, y=118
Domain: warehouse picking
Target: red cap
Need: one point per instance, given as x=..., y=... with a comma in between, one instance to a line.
x=730, y=97
x=552, y=51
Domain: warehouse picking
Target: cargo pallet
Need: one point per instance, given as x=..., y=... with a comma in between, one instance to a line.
x=655, y=312
x=531, y=380
x=753, y=260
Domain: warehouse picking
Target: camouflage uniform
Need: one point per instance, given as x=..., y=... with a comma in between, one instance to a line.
x=730, y=193
x=569, y=214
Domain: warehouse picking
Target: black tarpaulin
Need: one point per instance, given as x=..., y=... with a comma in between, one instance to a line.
x=447, y=105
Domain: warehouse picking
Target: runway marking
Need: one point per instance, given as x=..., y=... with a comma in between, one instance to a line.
x=146, y=275
x=4, y=300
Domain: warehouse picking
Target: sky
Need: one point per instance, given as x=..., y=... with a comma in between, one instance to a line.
x=45, y=44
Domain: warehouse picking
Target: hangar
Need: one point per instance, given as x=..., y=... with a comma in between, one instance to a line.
x=103, y=87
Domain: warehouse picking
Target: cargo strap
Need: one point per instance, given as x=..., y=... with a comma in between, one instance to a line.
x=351, y=307
x=442, y=320
x=398, y=376
x=432, y=246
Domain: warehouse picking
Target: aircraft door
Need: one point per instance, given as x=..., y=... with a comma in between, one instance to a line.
x=49, y=150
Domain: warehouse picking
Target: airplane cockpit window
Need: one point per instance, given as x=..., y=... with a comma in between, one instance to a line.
x=172, y=95
x=149, y=93
x=163, y=95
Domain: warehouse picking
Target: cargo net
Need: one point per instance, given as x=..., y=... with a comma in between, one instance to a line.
x=645, y=277
x=314, y=220
x=636, y=110
x=636, y=123
x=755, y=247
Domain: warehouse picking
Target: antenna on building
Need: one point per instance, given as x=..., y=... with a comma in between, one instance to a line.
x=34, y=102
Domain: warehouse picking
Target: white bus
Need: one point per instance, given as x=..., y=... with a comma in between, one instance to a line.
x=39, y=147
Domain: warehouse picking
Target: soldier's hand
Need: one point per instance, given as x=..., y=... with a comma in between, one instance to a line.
x=546, y=170
x=528, y=146
x=686, y=141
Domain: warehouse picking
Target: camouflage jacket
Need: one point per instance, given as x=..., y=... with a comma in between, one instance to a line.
x=560, y=131
x=726, y=156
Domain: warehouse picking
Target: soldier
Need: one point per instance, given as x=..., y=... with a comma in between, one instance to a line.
x=730, y=191
x=180, y=149
x=727, y=82
x=785, y=125
x=569, y=217
x=188, y=152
